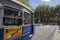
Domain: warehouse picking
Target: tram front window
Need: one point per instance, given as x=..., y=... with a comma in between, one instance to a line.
x=11, y=17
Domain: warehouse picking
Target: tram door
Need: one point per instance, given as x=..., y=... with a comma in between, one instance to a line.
x=12, y=22
x=27, y=27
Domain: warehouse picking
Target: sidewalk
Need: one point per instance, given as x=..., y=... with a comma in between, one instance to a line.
x=57, y=35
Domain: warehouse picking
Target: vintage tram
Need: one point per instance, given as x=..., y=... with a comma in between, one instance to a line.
x=16, y=21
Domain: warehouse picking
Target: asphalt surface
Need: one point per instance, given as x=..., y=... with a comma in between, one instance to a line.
x=57, y=34
x=44, y=32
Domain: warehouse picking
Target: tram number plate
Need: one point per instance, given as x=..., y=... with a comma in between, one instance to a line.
x=12, y=32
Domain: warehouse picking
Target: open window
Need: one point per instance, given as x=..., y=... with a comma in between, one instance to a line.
x=12, y=17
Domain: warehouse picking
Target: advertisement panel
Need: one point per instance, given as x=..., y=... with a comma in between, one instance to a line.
x=12, y=32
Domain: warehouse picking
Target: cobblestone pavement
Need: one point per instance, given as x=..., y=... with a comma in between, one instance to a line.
x=44, y=32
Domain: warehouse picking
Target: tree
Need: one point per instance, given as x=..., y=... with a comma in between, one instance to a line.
x=45, y=13
x=57, y=11
x=41, y=12
x=51, y=14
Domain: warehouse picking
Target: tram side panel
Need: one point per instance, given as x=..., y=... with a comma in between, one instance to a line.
x=1, y=33
x=26, y=32
x=6, y=33
x=1, y=21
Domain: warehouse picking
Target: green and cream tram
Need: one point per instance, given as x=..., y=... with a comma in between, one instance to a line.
x=16, y=21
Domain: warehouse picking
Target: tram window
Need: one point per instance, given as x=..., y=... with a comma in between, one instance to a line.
x=8, y=21
x=18, y=22
x=10, y=12
x=11, y=21
x=12, y=17
x=27, y=18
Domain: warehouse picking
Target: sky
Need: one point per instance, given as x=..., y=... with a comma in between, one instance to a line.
x=35, y=3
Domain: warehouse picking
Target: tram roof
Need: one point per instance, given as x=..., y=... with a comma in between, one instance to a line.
x=22, y=4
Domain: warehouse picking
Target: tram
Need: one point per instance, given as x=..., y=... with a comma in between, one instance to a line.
x=16, y=21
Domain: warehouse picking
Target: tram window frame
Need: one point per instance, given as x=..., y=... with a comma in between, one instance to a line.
x=28, y=21
x=12, y=18
x=16, y=14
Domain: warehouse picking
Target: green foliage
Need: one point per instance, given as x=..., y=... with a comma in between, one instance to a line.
x=46, y=13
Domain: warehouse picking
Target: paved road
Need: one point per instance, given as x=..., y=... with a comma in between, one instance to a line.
x=57, y=34
x=44, y=32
